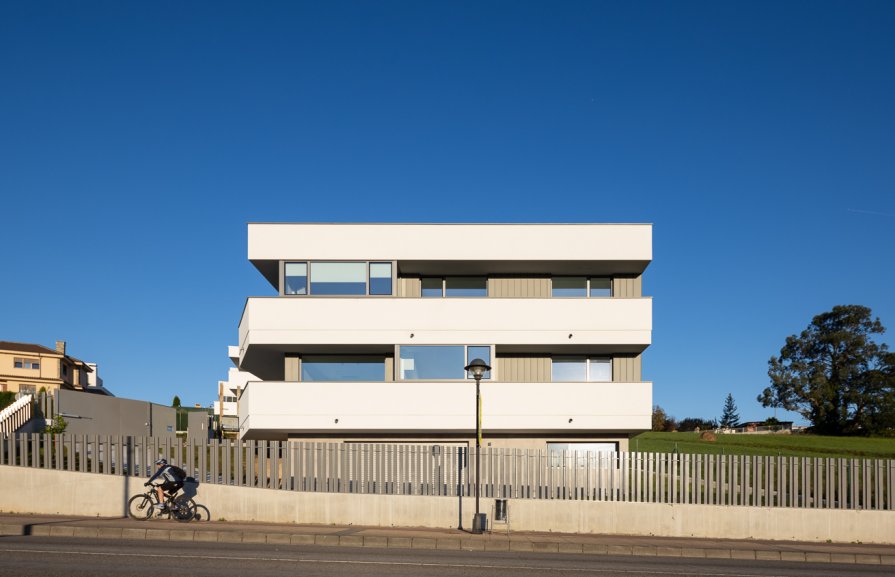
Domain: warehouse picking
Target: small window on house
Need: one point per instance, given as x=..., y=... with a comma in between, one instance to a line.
x=338, y=278
x=26, y=363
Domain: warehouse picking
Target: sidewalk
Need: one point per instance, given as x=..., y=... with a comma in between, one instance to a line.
x=421, y=538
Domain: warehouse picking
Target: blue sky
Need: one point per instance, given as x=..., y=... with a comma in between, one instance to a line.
x=138, y=139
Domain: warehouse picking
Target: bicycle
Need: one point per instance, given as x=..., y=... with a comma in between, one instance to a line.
x=140, y=507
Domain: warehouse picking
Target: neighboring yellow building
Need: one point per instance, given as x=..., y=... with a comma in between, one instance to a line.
x=28, y=367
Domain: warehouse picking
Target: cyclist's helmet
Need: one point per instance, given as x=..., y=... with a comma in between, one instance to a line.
x=162, y=462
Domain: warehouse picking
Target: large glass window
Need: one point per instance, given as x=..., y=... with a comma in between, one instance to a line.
x=581, y=369
x=465, y=286
x=296, y=278
x=432, y=362
x=338, y=278
x=380, y=278
x=570, y=286
x=432, y=286
x=569, y=369
x=342, y=368
x=440, y=362
x=600, y=287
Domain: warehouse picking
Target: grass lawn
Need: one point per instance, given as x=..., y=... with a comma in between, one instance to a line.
x=787, y=445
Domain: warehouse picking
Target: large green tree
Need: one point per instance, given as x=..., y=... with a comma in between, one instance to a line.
x=835, y=374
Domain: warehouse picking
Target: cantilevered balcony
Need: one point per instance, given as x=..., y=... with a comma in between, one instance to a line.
x=278, y=409
x=273, y=325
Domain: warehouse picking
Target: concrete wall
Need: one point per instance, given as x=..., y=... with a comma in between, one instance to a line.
x=427, y=406
x=90, y=414
x=43, y=491
x=197, y=425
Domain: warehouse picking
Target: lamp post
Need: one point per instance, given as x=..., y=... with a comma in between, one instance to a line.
x=478, y=368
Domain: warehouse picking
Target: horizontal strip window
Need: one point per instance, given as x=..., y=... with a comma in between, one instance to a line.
x=454, y=286
x=581, y=286
x=440, y=362
x=338, y=278
x=581, y=369
x=26, y=363
x=317, y=368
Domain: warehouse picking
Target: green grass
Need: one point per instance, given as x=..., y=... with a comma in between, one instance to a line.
x=787, y=445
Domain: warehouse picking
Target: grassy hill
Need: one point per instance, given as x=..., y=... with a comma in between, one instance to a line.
x=787, y=445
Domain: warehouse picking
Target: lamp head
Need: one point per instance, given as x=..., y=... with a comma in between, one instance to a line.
x=478, y=368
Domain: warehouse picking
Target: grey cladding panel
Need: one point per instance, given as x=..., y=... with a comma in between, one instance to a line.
x=523, y=368
x=518, y=287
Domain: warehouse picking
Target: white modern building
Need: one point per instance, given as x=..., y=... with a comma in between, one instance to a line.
x=225, y=406
x=371, y=326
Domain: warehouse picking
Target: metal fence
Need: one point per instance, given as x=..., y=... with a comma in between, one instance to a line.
x=418, y=469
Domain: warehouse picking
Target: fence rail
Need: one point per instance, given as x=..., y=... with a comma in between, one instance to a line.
x=15, y=415
x=417, y=469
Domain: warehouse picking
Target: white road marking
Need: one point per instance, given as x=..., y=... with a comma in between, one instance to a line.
x=386, y=563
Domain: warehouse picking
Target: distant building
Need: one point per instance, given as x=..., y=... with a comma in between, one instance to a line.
x=26, y=367
x=229, y=391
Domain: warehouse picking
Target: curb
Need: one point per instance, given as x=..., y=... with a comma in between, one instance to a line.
x=428, y=543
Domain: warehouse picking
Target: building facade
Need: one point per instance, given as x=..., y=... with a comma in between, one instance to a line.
x=26, y=367
x=372, y=325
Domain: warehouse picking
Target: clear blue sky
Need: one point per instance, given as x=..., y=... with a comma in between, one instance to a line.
x=138, y=139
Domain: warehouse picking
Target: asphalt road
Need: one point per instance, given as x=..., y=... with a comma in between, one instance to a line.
x=55, y=557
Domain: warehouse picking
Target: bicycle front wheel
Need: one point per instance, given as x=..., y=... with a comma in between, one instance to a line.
x=139, y=507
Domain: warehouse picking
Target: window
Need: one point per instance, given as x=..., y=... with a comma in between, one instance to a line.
x=338, y=278
x=582, y=369
x=432, y=286
x=438, y=362
x=570, y=286
x=483, y=353
x=342, y=368
x=465, y=286
x=597, y=450
x=580, y=286
x=296, y=278
x=601, y=287
x=455, y=286
x=26, y=363
x=380, y=278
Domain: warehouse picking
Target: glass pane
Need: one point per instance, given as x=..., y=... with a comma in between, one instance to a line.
x=342, y=368
x=431, y=287
x=465, y=286
x=601, y=287
x=600, y=370
x=338, y=278
x=483, y=353
x=380, y=278
x=570, y=286
x=296, y=278
x=432, y=362
x=569, y=369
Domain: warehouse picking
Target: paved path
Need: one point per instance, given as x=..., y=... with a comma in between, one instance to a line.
x=421, y=538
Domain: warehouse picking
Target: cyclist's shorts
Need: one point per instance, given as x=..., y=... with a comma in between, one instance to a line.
x=171, y=486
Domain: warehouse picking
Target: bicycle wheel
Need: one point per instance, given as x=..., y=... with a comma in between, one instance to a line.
x=201, y=513
x=182, y=510
x=139, y=507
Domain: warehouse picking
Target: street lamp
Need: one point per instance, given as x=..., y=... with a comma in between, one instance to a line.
x=478, y=368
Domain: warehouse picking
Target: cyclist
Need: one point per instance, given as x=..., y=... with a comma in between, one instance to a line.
x=166, y=478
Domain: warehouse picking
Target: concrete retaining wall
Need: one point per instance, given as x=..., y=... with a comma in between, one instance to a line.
x=58, y=492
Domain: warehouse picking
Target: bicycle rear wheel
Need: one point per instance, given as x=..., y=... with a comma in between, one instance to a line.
x=139, y=507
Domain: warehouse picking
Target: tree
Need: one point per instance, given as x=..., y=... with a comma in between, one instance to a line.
x=57, y=426
x=729, y=415
x=835, y=375
x=662, y=421
x=689, y=424
x=176, y=401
